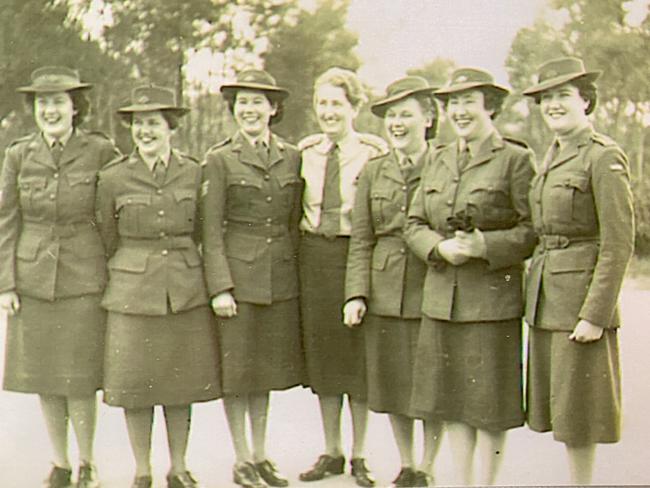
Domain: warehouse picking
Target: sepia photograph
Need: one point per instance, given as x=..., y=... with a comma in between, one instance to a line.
x=324, y=243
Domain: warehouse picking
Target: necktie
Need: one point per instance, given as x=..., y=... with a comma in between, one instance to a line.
x=330, y=215
x=262, y=151
x=159, y=172
x=552, y=153
x=56, y=151
x=463, y=159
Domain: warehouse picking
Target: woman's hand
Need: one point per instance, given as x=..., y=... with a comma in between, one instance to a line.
x=472, y=244
x=452, y=251
x=585, y=331
x=9, y=301
x=224, y=305
x=353, y=312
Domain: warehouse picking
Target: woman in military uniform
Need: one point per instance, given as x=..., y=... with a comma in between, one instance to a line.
x=161, y=344
x=582, y=212
x=335, y=354
x=383, y=285
x=250, y=210
x=52, y=266
x=470, y=221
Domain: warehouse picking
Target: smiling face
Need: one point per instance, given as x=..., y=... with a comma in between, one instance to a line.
x=468, y=115
x=253, y=112
x=406, y=123
x=334, y=111
x=151, y=133
x=53, y=113
x=563, y=109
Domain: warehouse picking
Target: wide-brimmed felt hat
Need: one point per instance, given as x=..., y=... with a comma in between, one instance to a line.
x=148, y=98
x=399, y=90
x=467, y=79
x=255, y=79
x=559, y=71
x=54, y=79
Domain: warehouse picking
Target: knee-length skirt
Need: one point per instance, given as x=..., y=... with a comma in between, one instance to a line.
x=574, y=389
x=390, y=355
x=261, y=348
x=469, y=373
x=335, y=354
x=56, y=348
x=168, y=359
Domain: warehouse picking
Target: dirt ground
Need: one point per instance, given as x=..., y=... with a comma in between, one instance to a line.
x=295, y=440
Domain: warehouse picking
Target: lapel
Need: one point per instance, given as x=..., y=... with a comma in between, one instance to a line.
x=447, y=156
x=486, y=151
x=390, y=168
x=174, y=168
x=246, y=152
x=276, y=150
x=40, y=153
x=572, y=148
x=73, y=149
x=414, y=175
x=140, y=170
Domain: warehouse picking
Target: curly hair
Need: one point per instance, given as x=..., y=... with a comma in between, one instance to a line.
x=80, y=105
x=346, y=80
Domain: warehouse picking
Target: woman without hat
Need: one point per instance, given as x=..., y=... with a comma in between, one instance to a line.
x=383, y=285
x=161, y=345
x=250, y=211
x=335, y=354
x=470, y=221
x=582, y=212
x=52, y=266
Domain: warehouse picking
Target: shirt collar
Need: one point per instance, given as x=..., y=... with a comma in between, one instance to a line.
x=151, y=161
x=346, y=144
x=475, y=145
x=574, y=139
x=49, y=140
x=413, y=158
x=265, y=138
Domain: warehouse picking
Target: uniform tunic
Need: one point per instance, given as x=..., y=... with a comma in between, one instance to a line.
x=383, y=271
x=250, y=211
x=335, y=354
x=468, y=365
x=582, y=212
x=161, y=345
x=52, y=256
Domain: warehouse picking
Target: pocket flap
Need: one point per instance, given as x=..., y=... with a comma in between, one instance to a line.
x=432, y=186
x=181, y=195
x=381, y=194
x=35, y=183
x=244, y=179
x=490, y=186
x=579, y=257
x=240, y=247
x=28, y=247
x=133, y=199
x=579, y=182
x=380, y=258
x=288, y=179
x=86, y=178
x=192, y=258
x=130, y=260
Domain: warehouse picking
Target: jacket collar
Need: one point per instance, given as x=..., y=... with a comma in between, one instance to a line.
x=174, y=167
x=248, y=155
x=41, y=153
x=569, y=149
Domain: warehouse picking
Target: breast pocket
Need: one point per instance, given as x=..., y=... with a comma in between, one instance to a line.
x=186, y=201
x=490, y=205
x=570, y=200
x=381, y=205
x=31, y=191
x=244, y=193
x=130, y=210
x=289, y=187
x=82, y=187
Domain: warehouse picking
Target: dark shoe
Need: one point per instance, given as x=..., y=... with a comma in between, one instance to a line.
x=182, y=480
x=88, y=476
x=59, y=478
x=326, y=465
x=245, y=474
x=142, y=482
x=405, y=478
x=361, y=473
x=420, y=478
x=269, y=473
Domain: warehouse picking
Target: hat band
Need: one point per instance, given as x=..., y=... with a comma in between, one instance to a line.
x=54, y=80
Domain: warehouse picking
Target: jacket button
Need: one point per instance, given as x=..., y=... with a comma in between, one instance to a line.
x=403, y=208
x=456, y=179
x=159, y=191
x=269, y=198
x=269, y=240
x=164, y=252
x=402, y=250
x=56, y=176
x=162, y=234
x=269, y=220
x=450, y=203
x=161, y=213
x=52, y=196
x=267, y=177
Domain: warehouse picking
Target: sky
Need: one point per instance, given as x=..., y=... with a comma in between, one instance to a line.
x=395, y=35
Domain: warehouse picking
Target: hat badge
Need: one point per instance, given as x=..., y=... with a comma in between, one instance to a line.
x=143, y=99
x=551, y=73
x=461, y=79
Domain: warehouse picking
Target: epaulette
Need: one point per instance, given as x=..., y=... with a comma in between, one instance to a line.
x=101, y=135
x=220, y=144
x=26, y=138
x=115, y=162
x=603, y=140
x=187, y=156
x=375, y=141
x=310, y=141
x=516, y=142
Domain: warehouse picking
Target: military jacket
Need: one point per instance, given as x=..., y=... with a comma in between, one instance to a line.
x=582, y=210
x=150, y=231
x=49, y=244
x=250, y=210
x=493, y=188
x=380, y=267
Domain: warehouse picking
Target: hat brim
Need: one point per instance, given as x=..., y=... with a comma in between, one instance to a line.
x=274, y=91
x=380, y=107
x=444, y=92
x=561, y=80
x=152, y=107
x=54, y=87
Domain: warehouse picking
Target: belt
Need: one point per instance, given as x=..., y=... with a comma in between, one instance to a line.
x=313, y=235
x=262, y=229
x=167, y=242
x=551, y=241
x=59, y=230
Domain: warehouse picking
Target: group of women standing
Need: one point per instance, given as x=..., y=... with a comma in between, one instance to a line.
x=388, y=273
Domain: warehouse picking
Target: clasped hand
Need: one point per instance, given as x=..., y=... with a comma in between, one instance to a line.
x=463, y=246
x=224, y=305
x=353, y=312
x=10, y=302
x=585, y=331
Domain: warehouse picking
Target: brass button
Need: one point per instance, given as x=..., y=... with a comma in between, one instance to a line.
x=402, y=250
x=267, y=177
x=162, y=234
x=269, y=199
x=403, y=208
x=456, y=179
x=161, y=213
x=450, y=203
x=269, y=220
x=159, y=191
x=52, y=196
x=405, y=188
x=56, y=176
x=164, y=252
x=269, y=240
